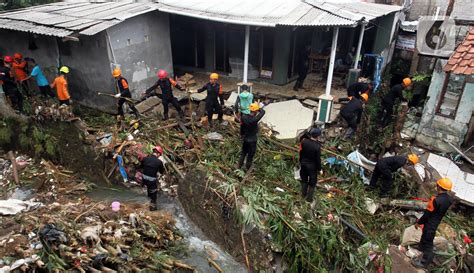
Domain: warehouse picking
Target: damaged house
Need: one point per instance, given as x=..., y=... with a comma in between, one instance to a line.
x=448, y=113
x=257, y=40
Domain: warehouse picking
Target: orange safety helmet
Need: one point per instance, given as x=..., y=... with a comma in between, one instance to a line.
x=365, y=97
x=254, y=107
x=406, y=82
x=214, y=76
x=445, y=183
x=17, y=56
x=413, y=158
x=117, y=72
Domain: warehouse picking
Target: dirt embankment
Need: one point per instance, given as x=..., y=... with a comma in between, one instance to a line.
x=218, y=222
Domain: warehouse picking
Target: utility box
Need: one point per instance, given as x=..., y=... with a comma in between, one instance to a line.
x=353, y=76
x=324, y=108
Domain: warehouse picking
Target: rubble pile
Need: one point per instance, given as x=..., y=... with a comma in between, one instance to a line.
x=83, y=236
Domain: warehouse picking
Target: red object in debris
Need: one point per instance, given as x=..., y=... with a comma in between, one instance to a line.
x=139, y=177
x=188, y=144
x=420, y=199
x=380, y=269
x=467, y=240
x=77, y=263
x=83, y=249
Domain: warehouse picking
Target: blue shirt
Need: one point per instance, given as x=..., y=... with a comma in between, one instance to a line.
x=39, y=76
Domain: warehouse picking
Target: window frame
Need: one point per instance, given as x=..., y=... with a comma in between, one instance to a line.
x=443, y=93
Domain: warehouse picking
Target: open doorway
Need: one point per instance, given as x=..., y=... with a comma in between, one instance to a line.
x=187, y=41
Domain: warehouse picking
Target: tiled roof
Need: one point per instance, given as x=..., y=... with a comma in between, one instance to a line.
x=462, y=60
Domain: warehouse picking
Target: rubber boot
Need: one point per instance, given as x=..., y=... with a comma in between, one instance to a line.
x=310, y=194
x=304, y=189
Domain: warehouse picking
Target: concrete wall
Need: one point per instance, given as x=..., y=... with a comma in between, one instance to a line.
x=141, y=46
x=427, y=8
x=384, y=33
x=46, y=54
x=87, y=59
x=434, y=129
x=90, y=71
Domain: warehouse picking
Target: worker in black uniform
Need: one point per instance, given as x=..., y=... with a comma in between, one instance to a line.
x=389, y=100
x=302, y=67
x=352, y=113
x=310, y=161
x=151, y=166
x=385, y=167
x=214, y=99
x=9, y=84
x=248, y=132
x=432, y=216
x=358, y=88
x=123, y=92
x=166, y=85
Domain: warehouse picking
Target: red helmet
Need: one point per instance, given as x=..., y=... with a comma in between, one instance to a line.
x=158, y=149
x=17, y=56
x=8, y=59
x=162, y=74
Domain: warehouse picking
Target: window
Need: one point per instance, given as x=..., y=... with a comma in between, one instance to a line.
x=451, y=95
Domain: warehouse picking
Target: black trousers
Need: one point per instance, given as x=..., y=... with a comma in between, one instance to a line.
x=426, y=243
x=211, y=108
x=152, y=190
x=301, y=77
x=387, y=179
x=67, y=102
x=308, y=174
x=46, y=91
x=248, y=151
x=387, y=112
x=16, y=99
x=174, y=102
x=121, y=102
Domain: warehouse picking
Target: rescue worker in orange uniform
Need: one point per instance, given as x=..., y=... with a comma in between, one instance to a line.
x=432, y=216
x=123, y=91
x=8, y=84
x=352, y=113
x=385, y=167
x=389, y=100
x=61, y=85
x=20, y=70
x=214, y=99
x=166, y=85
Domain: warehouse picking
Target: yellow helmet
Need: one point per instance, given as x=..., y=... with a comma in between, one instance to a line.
x=117, y=72
x=413, y=158
x=445, y=183
x=365, y=97
x=406, y=82
x=254, y=107
x=214, y=76
x=64, y=69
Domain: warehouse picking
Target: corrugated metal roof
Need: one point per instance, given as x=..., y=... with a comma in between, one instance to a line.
x=278, y=12
x=65, y=18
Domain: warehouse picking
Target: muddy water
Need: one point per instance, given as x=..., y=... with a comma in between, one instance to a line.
x=200, y=248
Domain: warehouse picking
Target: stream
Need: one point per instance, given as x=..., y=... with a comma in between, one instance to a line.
x=198, y=244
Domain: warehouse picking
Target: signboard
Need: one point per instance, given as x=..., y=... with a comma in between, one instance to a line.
x=406, y=42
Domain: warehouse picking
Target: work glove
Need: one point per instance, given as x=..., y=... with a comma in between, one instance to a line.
x=261, y=105
x=117, y=96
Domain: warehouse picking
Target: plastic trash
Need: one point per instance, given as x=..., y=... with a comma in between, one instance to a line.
x=115, y=206
x=214, y=136
x=51, y=235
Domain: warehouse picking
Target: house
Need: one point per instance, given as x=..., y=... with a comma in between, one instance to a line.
x=92, y=38
x=448, y=115
x=248, y=39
